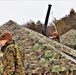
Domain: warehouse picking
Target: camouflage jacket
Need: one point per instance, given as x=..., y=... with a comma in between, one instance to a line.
x=57, y=39
x=13, y=59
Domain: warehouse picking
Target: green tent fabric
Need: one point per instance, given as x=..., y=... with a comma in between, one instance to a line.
x=69, y=39
x=42, y=55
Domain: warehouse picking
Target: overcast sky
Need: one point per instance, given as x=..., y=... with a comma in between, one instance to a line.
x=22, y=11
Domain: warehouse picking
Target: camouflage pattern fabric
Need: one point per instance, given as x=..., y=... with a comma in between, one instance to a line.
x=13, y=59
x=69, y=39
x=42, y=55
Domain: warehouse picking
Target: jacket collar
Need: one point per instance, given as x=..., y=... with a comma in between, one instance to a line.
x=7, y=43
x=10, y=42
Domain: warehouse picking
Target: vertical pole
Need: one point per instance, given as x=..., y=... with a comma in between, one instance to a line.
x=46, y=20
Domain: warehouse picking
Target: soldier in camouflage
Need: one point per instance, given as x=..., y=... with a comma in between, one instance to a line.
x=55, y=36
x=13, y=56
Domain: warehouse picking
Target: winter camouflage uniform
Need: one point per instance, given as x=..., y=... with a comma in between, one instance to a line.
x=13, y=59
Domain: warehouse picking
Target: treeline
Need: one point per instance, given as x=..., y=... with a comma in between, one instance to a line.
x=67, y=23
x=38, y=27
x=62, y=26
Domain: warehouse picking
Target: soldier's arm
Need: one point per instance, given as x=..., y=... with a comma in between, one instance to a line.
x=9, y=62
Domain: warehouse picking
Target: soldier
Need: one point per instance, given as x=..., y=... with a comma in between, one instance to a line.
x=13, y=56
x=55, y=36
